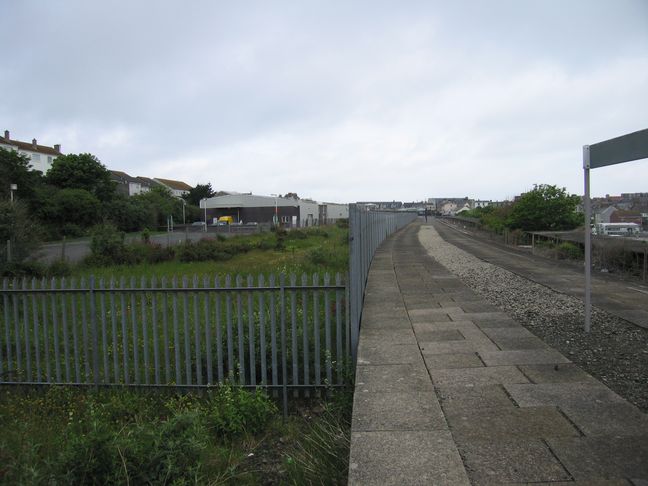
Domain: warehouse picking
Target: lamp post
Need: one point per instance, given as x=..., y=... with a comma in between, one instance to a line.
x=184, y=203
x=204, y=203
x=12, y=188
x=275, y=218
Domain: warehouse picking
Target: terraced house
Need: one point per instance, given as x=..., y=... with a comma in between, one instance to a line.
x=41, y=156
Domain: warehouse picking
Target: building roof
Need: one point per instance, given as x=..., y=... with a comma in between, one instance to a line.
x=248, y=200
x=147, y=181
x=177, y=185
x=28, y=146
x=122, y=176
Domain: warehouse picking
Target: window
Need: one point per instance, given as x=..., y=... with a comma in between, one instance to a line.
x=285, y=219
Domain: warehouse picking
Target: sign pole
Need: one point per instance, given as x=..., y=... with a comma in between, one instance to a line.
x=588, y=240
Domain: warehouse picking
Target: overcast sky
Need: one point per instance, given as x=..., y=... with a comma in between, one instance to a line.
x=335, y=100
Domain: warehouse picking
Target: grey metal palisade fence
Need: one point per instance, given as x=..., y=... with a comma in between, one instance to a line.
x=279, y=332
x=367, y=230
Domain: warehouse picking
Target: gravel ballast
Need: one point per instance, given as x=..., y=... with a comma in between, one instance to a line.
x=615, y=351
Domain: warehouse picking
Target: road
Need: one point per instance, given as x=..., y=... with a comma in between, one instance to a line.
x=618, y=297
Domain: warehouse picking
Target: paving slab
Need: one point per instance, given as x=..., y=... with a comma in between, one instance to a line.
x=517, y=343
x=511, y=461
x=478, y=316
x=478, y=376
x=377, y=353
x=464, y=346
x=438, y=336
x=392, y=378
x=471, y=397
x=522, y=357
x=496, y=424
x=406, y=457
x=508, y=332
x=395, y=336
x=444, y=326
x=452, y=361
x=551, y=373
x=597, y=458
x=496, y=323
x=561, y=394
x=620, y=419
x=382, y=322
x=397, y=411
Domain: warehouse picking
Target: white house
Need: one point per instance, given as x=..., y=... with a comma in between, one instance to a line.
x=41, y=156
x=130, y=186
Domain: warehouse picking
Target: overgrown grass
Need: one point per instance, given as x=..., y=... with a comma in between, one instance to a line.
x=299, y=251
x=227, y=436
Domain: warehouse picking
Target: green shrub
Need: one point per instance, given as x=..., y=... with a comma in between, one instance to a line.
x=59, y=268
x=107, y=246
x=233, y=411
x=296, y=234
x=28, y=268
x=342, y=223
x=568, y=250
x=322, y=256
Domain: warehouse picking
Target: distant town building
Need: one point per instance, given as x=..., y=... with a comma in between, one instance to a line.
x=128, y=185
x=177, y=188
x=41, y=156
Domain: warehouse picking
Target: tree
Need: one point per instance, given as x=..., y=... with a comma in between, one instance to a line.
x=75, y=206
x=15, y=169
x=196, y=194
x=16, y=226
x=128, y=214
x=546, y=207
x=82, y=171
x=291, y=195
x=160, y=203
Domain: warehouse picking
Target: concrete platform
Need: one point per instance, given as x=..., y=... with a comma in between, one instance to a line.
x=452, y=391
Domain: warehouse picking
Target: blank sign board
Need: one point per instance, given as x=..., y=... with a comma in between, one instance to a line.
x=633, y=146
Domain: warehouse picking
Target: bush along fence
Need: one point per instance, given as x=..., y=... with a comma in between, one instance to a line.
x=278, y=332
x=367, y=230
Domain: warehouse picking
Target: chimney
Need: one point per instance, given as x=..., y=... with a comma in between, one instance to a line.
x=6, y=135
x=57, y=147
x=34, y=144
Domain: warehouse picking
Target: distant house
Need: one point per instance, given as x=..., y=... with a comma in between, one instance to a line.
x=604, y=215
x=128, y=185
x=177, y=188
x=41, y=156
x=620, y=216
x=249, y=208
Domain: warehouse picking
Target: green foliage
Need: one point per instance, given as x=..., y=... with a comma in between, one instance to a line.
x=233, y=411
x=202, y=250
x=546, y=207
x=320, y=456
x=196, y=194
x=568, y=250
x=327, y=257
x=106, y=246
x=128, y=213
x=81, y=171
x=159, y=203
x=76, y=207
x=342, y=223
x=18, y=227
x=15, y=169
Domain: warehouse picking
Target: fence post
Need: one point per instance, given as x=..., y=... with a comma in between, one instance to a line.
x=284, y=369
x=8, y=251
x=95, y=335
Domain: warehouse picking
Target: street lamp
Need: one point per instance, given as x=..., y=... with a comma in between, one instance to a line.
x=184, y=203
x=275, y=218
x=12, y=188
x=204, y=203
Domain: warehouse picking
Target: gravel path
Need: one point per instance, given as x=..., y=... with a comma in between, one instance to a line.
x=615, y=351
